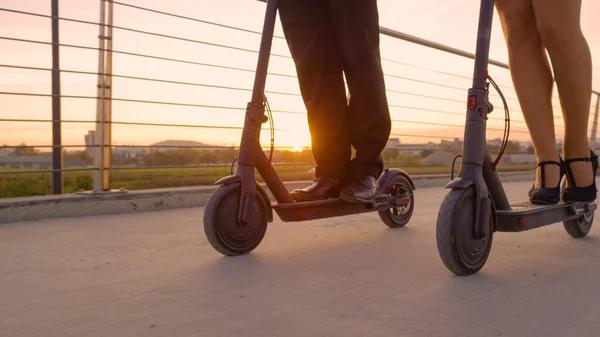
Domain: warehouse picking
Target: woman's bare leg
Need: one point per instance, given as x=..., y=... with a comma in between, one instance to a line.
x=558, y=23
x=532, y=78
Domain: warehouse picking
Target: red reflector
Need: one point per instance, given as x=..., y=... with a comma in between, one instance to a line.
x=300, y=213
x=472, y=103
x=521, y=223
x=402, y=201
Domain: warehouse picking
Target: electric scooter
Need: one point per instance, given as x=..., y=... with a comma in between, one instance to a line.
x=477, y=205
x=237, y=213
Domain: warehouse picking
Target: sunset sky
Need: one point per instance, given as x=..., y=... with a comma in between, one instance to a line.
x=450, y=22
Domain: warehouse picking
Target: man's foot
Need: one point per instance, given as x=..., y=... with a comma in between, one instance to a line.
x=359, y=190
x=322, y=188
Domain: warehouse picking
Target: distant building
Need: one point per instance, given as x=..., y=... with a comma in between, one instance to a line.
x=440, y=158
x=43, y=161
x=415, y=150
x=124, y=153
x=408, y=149
x=494, y=142
x=177, y=145
x=90, y=141
x=451, y=145
x=393, y=144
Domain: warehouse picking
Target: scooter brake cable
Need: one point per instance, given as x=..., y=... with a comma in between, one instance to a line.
x=506, y=122
x=272, y=127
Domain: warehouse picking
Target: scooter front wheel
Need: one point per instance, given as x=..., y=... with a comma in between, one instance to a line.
x=460, y=251
x=221, y=226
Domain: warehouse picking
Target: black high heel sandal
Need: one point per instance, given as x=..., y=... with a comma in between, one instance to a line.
x=574, y=193
x=547, y=195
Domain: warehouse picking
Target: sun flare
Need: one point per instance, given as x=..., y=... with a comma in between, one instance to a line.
x=298, y=148
x=291, y=139
x=297, y=139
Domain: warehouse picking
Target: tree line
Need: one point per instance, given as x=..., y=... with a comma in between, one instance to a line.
x=224, y=156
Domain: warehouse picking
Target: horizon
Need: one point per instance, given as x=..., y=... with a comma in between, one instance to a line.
x=179, y=144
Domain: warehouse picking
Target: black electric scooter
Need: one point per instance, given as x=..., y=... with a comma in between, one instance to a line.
x=237, y=213
x=477, y=205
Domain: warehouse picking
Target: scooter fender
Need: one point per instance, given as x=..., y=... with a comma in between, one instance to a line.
x=484, y=206
x=238, y=180
x=460, y=183
x=228, y=180
x=267, y=200
x=388, y=175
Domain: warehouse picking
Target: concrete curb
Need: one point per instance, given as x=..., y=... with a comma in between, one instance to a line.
x=76, y=205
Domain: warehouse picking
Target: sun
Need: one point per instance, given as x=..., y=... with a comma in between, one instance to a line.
x=297, y=139
x=298, y=148
x=291, y=139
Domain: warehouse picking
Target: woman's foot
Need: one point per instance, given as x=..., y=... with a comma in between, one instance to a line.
x=546, y=189
x=581, y=179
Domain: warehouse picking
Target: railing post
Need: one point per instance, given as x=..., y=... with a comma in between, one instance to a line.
x=57, y=154
x=595, y=125
x=99, y=134
x=103, y=135
x=108, y=99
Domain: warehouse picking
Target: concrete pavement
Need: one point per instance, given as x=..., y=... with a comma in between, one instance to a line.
x=154, y=274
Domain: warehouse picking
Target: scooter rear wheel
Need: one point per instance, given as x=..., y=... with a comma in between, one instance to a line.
x=396, y=217
x=221, y=226
x=460, y=251
x=581, y=226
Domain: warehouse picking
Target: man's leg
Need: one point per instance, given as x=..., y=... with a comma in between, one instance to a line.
x=309, y=31
x=368, y=121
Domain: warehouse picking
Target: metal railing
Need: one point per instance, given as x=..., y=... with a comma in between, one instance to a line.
x=103, y=145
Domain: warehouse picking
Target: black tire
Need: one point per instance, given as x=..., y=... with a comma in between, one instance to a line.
x=221, y=227
x=459, y=250
x=399, y=216
x=581, y=226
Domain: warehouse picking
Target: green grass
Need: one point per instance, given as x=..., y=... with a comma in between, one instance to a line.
x=145, y=178
x=15, y=184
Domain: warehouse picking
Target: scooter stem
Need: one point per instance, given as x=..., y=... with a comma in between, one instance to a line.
x=251, y=155
x=264, y=52
x=475, y=152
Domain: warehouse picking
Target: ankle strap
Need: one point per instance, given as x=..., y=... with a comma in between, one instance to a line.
x=573, y=160
x=548, y=162
x=542, y=165
x=570, y=174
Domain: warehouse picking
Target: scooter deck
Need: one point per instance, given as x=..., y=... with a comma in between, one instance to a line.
x=524, y=215
x=330, y=208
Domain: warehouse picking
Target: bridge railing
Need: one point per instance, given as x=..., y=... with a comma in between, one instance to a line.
x=106, y=92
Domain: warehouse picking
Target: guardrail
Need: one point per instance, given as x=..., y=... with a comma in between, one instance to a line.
x=425, y=111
